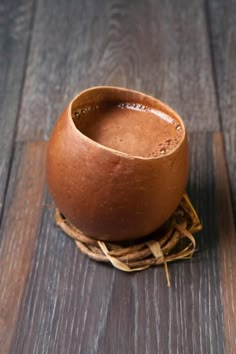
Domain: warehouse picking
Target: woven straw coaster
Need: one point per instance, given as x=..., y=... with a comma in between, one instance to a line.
x=173, y=241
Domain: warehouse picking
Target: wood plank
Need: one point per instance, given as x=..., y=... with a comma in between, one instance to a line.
x=222, y=17
x=15, y=23
x=74, y=305
x=227, y=244
x=19, y=234
x=230, y=148
x=68, y=294
x=157, y=47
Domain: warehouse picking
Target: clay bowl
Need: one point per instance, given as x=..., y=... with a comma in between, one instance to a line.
x=109, y=194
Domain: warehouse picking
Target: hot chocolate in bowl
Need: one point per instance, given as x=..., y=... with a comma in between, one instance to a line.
x=117, y=163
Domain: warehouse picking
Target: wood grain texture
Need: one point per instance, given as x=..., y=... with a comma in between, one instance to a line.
x=222, y=19
x=19, y=234
x=15, y=23
x=74, y=305
x=230, y=148
x=227, y=244
x=159, y=47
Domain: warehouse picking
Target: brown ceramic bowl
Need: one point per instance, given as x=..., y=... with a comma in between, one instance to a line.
x=109, y=194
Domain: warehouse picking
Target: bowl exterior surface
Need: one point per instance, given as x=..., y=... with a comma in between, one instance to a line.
x=107, y=195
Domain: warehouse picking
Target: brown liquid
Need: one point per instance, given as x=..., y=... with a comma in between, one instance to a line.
x=130, y=128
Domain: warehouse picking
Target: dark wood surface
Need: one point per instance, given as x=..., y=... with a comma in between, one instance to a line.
x=54, y=299
x=223, y=38
x=15, y=32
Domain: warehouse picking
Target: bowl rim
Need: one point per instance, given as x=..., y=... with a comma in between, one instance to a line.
x=166, y=107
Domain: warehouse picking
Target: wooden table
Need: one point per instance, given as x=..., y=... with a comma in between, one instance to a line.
x=54, y=299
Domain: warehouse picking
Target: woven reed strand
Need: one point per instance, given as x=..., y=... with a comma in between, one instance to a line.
x=176, y=243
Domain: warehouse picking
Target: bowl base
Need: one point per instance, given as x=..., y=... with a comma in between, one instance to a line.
x=172, y=242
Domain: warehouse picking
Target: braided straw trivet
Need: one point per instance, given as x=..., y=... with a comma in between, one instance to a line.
x=172, y=242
